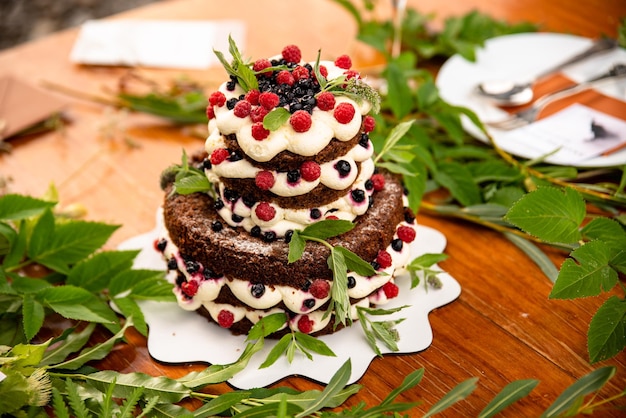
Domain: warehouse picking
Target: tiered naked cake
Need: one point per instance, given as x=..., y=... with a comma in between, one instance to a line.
x=288, y=146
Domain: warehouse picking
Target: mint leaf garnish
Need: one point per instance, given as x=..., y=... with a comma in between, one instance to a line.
x=276, y=118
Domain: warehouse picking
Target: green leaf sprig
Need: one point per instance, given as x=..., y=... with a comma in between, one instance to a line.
x=239, y=68
x=185, y=178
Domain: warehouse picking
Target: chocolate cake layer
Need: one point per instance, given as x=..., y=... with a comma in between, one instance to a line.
x=234, y=253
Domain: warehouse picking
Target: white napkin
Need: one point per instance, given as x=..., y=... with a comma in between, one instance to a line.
x=155, y=43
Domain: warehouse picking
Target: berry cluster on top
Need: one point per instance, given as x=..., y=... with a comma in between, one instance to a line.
x=281, y=128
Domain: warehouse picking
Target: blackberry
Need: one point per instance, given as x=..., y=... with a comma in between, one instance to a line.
x=397, y=244
x=409, y=217
x=269, y=236
x=364, y=141
x=230, y=103
x=161, y=244
x=236, y=218
x=309, y=303
x=172, y=264
x=257, y=290
x=249, y=201
x=288, y=236
x=358, y=195
x=234, y=156
x=306, y=286
x=351, y=282
x=370, y=201
x=230, y=86
x=255, y=231
x=209, y=274
x=375, y=265
x=217, y=226
x=293, y=176
x=180, y=279
x=206, y=164
x=369, y=185
x=295, y=106
x=316, y=213
x=231, y=195
x=343, y=167
x=219, y=204
x=192, y=266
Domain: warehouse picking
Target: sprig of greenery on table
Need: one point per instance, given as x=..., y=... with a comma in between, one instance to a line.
x=530, y=202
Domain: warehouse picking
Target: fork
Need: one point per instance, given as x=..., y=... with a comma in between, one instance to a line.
x=528, y=116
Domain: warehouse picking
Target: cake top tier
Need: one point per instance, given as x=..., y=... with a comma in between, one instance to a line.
x=286, y=104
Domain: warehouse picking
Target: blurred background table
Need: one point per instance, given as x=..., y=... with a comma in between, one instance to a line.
x=502, y=328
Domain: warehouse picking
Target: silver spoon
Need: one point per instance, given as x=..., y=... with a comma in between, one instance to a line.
x=509, y=93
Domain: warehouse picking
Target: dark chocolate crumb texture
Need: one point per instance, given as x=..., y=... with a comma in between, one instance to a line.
x=288, y=146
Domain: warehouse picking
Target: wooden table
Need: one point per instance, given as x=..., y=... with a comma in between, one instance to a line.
x=502, y=328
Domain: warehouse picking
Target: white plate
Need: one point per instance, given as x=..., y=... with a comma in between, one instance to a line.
x=178, y=336
x=520, y=57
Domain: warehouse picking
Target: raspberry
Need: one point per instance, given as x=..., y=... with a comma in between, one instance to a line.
x=217, y=99
x=189, y=288
x=310, y=170
x=259, y=132
x=210, y=113
x=258, y=113
x=383, y=259
x=219, y=155
x=344, y=62
x=319, y=289
x=406, y=233
x=324, y=71
x=300, y=121
x=331, y=218
x=264, y=180
x=326, y=101
x=291, y=53
x=160, y=244
x=242, y=108
x=369, y=123
x=305, y=325
x=225, y=318
x=261, y=64
x=252, y=96
x=265, y=212
x=352, y=74
x=300, y=73
x=344, y=112
x=379, y=182
x=391, y=290
x=285, y=77
x=269, y=100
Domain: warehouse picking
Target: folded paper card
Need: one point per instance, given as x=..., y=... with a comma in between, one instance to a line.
x=570, y=136
x=155, y=43
x=23, y=105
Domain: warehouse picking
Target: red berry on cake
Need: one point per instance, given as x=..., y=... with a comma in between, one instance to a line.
x=217, y=99
x=252, y=96
x=291, y=53
x=310, y=170
x=285, y=77
x=225, y=318
x=258, y=113
x=344, y=112
x=319, y=289
x=189, y=288
x=264, y=180
x=259, y=132
x=300, y=73
x=331, y=218
x=242, y=108
x=352, y=74
x=326, y=101
x=391, y=290
x=260, y=65
x=305, y=325
x=210, y=113
x=323, y=71
x=383, y=259
x=369, y=123
x=379, y=182
x=300, y=121
x=219, y=155
x=265, y=212
x=343, y=61
x=406, y=233
x=269, y=100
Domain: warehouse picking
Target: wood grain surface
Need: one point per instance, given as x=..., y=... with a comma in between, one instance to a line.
x=502, y=328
